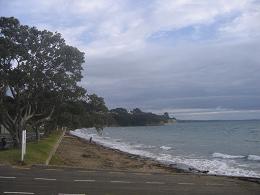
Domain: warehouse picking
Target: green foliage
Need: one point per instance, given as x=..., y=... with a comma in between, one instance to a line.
x=94, y=113
x=96, y=104
x=37, y=153
x=91, y=112
x=136, y=117
x=39, y=70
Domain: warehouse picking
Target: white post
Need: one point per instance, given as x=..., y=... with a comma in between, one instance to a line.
x=23, y=144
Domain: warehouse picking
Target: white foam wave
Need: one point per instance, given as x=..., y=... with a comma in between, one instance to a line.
x=253, y=157
x=166, y=147
x=111, y=143
x=226, y=156
x=142, y=146
x=215, y=167
x=219, y=167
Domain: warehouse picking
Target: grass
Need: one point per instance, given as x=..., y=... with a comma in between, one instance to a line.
x=36, y=153
x=56, y=160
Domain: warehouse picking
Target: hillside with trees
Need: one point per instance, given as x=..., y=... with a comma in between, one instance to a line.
x=136, y=117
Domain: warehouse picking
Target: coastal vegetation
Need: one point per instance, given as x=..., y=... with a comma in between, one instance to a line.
x=39, y=86
x=38, y=72
x=36, y=153
x=94, y=113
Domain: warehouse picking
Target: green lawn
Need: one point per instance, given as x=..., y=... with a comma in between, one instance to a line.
x=36, y=153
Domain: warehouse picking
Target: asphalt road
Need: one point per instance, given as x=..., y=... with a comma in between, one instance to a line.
x=48, y=181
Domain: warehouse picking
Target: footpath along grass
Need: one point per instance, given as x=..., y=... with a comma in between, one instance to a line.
x=36, y=153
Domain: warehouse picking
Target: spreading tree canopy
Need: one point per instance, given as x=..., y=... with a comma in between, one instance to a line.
x=38, y=70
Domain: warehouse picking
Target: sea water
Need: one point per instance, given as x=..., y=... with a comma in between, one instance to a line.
x=219, y=147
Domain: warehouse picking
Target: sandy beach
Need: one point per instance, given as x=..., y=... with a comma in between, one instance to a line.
x=77, y=152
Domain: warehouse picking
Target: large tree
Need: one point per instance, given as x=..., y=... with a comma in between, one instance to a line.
x=88, y=112
x=38, y=70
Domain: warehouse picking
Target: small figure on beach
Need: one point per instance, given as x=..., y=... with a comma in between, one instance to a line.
x=90, y=139
x=3, y=143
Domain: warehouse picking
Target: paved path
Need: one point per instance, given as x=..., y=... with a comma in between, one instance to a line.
x=56, y=181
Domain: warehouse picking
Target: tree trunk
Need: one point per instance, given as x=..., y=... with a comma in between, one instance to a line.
x=17, y=141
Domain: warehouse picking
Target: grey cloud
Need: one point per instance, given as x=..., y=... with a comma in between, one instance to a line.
x=194, y=76
x=124, y=67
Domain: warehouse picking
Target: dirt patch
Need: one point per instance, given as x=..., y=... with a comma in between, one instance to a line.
x=77, y=152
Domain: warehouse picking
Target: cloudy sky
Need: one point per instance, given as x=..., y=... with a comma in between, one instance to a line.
x=195, y=59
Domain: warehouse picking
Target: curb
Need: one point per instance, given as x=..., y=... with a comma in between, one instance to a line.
x=53, y=151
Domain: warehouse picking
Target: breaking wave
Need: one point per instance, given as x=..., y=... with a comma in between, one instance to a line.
x=166, y=147
x=227, y=156
x=253, y=157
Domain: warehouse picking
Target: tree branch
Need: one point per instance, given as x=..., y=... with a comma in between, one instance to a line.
x=47, y=118
x=8, y=122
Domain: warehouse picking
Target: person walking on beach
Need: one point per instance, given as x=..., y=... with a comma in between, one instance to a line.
x=90, y=139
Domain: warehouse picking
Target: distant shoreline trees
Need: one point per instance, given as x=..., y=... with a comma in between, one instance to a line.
x=136, y=117
x=92, y=112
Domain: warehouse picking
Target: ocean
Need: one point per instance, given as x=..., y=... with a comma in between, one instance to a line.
x=219, y=147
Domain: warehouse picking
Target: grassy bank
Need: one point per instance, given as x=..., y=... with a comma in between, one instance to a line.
x=36, y=153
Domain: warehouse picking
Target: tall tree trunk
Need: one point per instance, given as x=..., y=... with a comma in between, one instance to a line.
x=17, y=141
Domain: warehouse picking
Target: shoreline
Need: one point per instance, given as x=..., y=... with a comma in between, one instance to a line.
x=79, y=151
x=172, y=167
x=96, y=156
x=210, y=162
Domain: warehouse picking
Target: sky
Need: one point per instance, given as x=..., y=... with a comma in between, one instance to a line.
x=194, y=59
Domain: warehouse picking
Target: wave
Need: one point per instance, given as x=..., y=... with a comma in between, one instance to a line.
x=214, y=166
x=142, y=146
x=226, y=156
x=166, y=147
x=253, y=157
